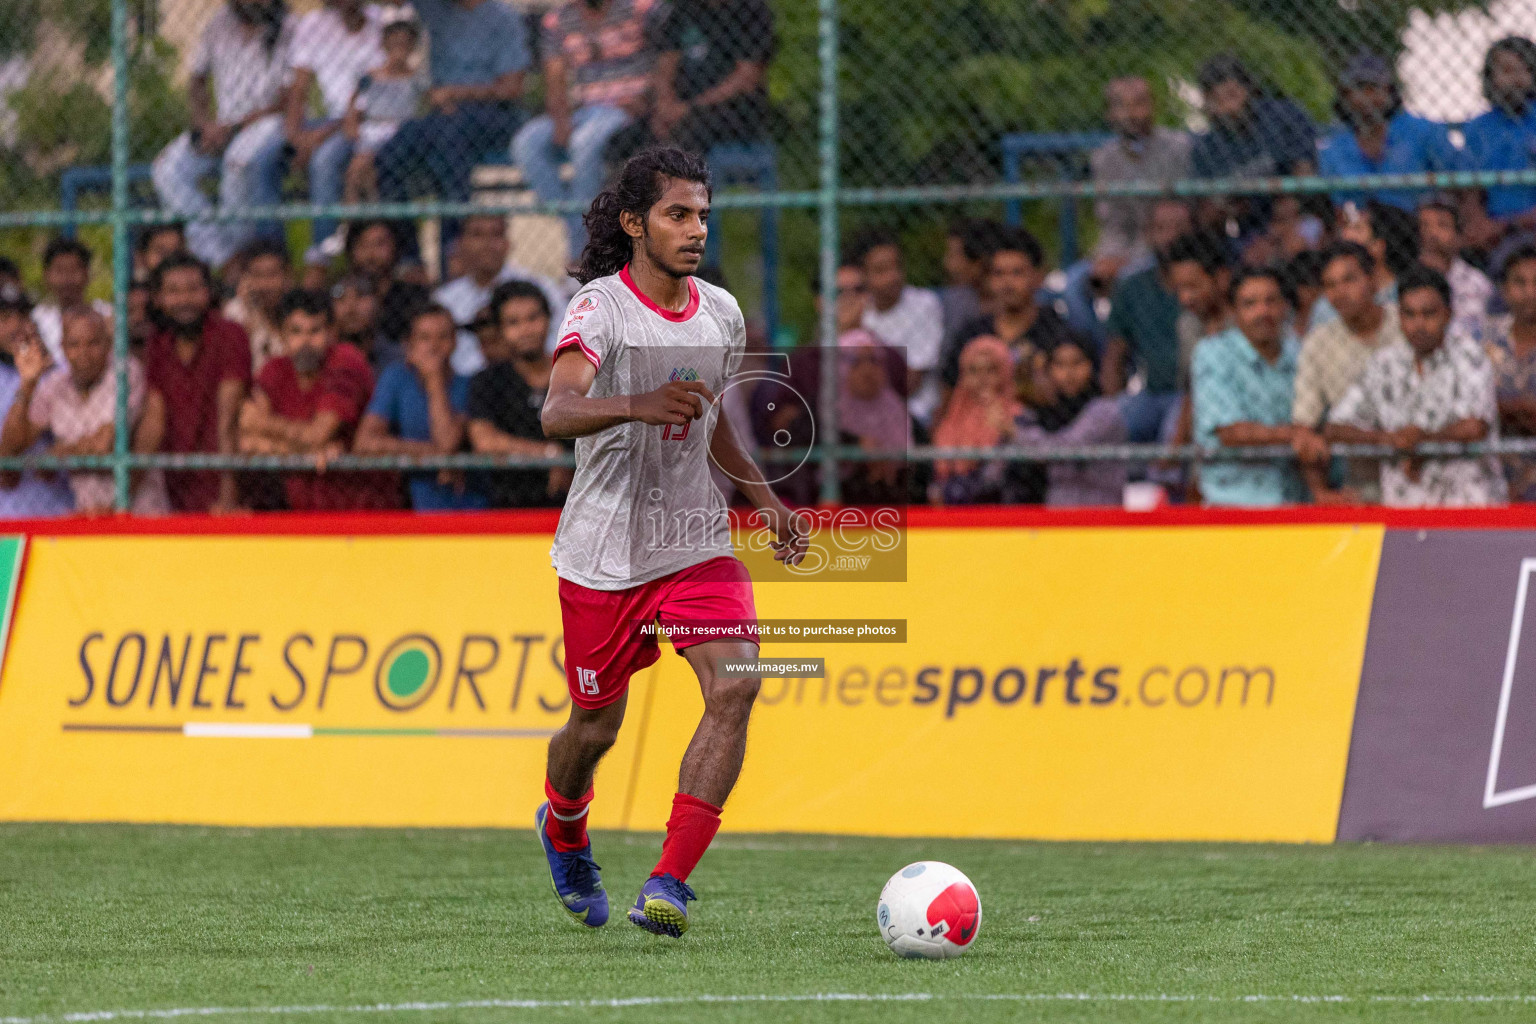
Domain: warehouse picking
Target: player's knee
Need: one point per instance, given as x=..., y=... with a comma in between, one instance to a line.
x=594, y=735
x=733, y=694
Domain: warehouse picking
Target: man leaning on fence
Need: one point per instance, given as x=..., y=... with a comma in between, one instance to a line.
x=418, y=409
x=308, y=402
x=1333, y=356
x=1437, y=385
x=28, y=495
x=197, y=369
x=1244, y=381
x=76, y=409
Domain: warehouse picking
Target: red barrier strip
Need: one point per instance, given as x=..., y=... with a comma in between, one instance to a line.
x=542, y=521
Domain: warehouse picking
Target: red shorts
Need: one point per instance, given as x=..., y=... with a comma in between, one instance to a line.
x=604, y=647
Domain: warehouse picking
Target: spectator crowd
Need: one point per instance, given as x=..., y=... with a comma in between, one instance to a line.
x=1386, y=316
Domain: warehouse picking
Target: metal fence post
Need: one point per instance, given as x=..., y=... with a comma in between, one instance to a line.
x=827, y=150
x=122, y=256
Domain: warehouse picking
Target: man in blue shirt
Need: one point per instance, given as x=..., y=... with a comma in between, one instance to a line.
x=1379, y=137
x=1251, y=136
x=1244, y=381
x=1504, y=139
x=418, y=408
x=478, y=56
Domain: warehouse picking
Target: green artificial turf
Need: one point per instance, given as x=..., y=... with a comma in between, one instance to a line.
x=97, y=918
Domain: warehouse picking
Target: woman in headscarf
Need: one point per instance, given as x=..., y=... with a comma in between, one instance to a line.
x=983, y=412
x=872, y=415
x=1078, y=414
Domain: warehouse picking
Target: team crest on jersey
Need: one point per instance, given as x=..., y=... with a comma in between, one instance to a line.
x=587, y=304
x=684, y=373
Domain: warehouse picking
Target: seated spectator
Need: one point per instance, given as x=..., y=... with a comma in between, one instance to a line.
x=373, y=249
x=264, y=277
x=967, y=247
x=872, y=415
x=506, y=397
x=1140, y=152
x=197, y=369
x=478, y=53
x=597, y=73
x=1303, y=276
x=1019, y=319
x=1377, y=136
x=1436, y=386
x=28, y=495
x=485, y=252
x=909, y=319
x=1502, y=139
x=1334, y=354
x=333, y=48
x=1251, y=136
x=155, y=243
x=983, y=412
x=1391, y=236
x=308, y=402
x=1440, y=250
x=418, y=408
x=355, y=308
x=1077, y=414
x=238, y=79
x=1244, y=386
x=711, y=78
x=66, y=275
x=388, y=95
x=1511, y=346
x=1143, y=333
x=76, y=410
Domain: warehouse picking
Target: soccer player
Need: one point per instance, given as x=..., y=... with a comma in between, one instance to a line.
x=644, y=350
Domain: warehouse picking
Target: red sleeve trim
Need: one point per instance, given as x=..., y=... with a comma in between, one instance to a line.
x=575, y=339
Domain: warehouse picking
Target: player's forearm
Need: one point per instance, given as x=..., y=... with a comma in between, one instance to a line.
x=568, y=415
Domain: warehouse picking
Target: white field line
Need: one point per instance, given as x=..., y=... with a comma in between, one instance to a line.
x=702, y=1000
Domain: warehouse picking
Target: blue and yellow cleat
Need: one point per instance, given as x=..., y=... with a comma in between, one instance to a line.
x=574, y=877
x=662, y=907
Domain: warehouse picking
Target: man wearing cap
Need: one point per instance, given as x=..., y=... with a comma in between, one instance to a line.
x=1378, y=136
x=26, y=495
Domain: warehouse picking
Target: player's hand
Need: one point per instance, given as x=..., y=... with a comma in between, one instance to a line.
x=675, y=403
x=790, y=544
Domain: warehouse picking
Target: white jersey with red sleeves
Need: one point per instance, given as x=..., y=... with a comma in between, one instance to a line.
x=643, y=504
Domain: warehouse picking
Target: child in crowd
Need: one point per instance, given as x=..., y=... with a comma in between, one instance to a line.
x=386, y=97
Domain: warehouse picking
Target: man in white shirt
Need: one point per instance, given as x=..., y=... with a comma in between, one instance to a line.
x=66, y=275
x=907, y=318
x=484, y=248
x=238, y=74
x=333, y=47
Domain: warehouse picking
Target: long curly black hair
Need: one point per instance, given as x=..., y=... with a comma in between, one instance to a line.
x=639, y=187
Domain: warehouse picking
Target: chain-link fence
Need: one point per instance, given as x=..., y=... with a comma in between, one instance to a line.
x=293, y=254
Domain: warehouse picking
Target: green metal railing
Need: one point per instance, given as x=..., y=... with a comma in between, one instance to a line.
x=829, y=200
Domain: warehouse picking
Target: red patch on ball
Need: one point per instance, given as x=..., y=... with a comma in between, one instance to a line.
x=958, y=907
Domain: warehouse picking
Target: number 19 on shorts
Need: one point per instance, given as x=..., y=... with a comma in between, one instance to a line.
x=586, y=681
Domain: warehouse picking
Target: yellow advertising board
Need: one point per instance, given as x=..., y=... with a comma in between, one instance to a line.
x=1178, y=683
x=1061, y=684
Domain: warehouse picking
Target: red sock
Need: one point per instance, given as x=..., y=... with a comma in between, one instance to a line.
x=690, y=830
x=566, y=823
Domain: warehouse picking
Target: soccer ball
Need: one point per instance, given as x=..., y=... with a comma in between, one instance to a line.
x=929, y=909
